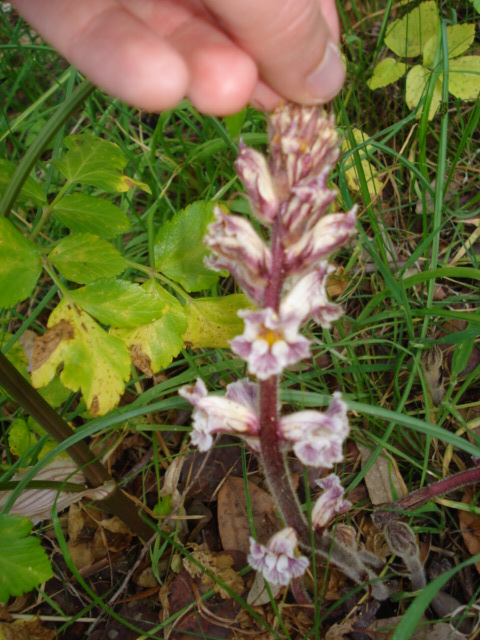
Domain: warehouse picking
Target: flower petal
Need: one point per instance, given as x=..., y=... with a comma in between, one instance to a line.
x=239, y=249
x=277, y=560
x=317, y=437
x=269, y=342
x=252, y=169
x=330, y=503
x=328, y=235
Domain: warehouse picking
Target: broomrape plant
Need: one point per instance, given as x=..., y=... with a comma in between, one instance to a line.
x=285, y=281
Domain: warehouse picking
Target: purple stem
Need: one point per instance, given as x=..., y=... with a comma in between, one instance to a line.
x=424, y=495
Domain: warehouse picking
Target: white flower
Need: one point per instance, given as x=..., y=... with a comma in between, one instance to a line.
x=317, y=437
x=270, y=342
x=330, y=503
x=277, y=561
x=329, y=234
x=238, y=248
x=252, y=168
x=234, y=413
x=308, y=298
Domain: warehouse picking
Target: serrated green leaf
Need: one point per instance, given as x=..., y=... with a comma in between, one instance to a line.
x=84, y=258
x=84, y=213
x=97, y=163
x=118, y=303
x=179, y=248
x=213, y=322
x=407, y=36
x=23, y=563
x=94, y=362
x=31, y=190
x=464, y=77
x=387, y=71
x=459, y=39
x=19, y=437
x=20, y=265
x=418, y=79
x=153, y=346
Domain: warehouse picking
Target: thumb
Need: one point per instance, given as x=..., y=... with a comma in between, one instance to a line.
x=294, y=43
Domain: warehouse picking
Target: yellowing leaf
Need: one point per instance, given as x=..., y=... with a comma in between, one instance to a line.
x=407, y=36
x=459, y=39
x=154, y=345
x=464, y=77
x=212, y=322
x=94, y=362
x=369, y=171
x=387, y=71
x=418, y=80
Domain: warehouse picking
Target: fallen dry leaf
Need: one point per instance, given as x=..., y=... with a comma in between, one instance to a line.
x=233, y=521
x=25, y=630
x=470, y=527
x=383, y=479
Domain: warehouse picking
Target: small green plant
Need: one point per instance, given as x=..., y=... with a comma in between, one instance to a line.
x=422, y=32
x=99, y=329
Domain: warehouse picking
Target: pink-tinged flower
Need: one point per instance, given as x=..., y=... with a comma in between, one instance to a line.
x=308, y=298
x=252, y=169
x=277, y=561
x=309, y=201
x=234, y=413
x=329, y=234
x=270, y=342
x=317, y=437
x=330, y=503
x=239, y=249
x=303, y=143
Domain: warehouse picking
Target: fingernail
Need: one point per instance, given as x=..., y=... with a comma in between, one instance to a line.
x=327, y=79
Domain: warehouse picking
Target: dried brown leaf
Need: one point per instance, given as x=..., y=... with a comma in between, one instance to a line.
x=383, y=479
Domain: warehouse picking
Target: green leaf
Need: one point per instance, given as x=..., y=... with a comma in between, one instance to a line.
x=97, y=163
x=461, y=355
x=213, y=322
x=84, y=213
x=20, y=438
x=179, y=248
x=476, y=5
x=418, y=79
x=407, y=36
x=55, y=393
x=20, y=265
x=31, y=190
x=234, y=123
x=464, y=77
x=84, y=258
x=459, y=39
x=387, y=71
x=94, y=362
x=118, y=303
x=153, y=346
x=23, y=563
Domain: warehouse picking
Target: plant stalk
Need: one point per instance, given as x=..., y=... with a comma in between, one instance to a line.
x=32, y=402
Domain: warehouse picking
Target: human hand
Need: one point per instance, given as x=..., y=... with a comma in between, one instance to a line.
x=221, y=54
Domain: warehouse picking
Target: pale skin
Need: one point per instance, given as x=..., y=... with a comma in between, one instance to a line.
x=221, y=54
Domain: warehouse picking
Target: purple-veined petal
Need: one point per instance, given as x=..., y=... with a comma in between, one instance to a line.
x=269, y=343
x=308, y=203
x=330, y=503
x=327, y=236
x=238, y=248
x=303, y=141
x=308, y=298
x=277, y=560
x=317, y=437
x=252, y=169
x=213, y=414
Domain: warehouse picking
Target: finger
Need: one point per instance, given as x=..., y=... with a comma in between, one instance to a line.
x=222, y=76
x=294, y=44
x=114, y=49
